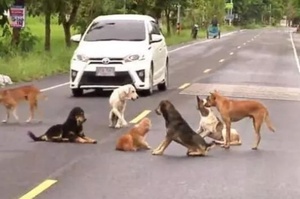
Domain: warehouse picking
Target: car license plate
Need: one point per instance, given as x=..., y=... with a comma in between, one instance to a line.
x=105, y=71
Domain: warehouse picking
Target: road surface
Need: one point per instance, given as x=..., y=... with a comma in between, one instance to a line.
x=263, y=57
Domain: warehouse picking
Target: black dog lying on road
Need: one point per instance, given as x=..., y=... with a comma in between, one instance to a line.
x=179, y=131
x=70, y=131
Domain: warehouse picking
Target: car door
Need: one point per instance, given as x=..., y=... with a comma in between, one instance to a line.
x=160, y=52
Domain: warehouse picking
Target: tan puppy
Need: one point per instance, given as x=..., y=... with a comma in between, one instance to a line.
x=211, y=126
x=235, y=110
x=10, y=98
x=134, y=139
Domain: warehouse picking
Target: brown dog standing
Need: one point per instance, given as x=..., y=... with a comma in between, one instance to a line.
x=235, y=110
x=10, y=98
x=135, y=138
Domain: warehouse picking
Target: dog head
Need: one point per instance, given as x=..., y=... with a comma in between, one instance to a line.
x=144, y=126
x=211, y=99
x=201, y=106
x=163, y=107
x=128, y=92
x=77, y=114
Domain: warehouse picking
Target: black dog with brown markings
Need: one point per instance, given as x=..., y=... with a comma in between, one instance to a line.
x=179, y=131
x=70, y=131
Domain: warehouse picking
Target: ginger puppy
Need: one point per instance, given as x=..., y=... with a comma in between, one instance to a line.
x=134, y=139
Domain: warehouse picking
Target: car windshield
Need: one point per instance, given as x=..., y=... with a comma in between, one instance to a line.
x=118, y=30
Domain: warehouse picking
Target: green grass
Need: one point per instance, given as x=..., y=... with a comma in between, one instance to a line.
x=38, y=63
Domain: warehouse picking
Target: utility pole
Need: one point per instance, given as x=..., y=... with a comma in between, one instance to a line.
x=124, y=7
x=178, y=25
x=270, y=17
x=230, y=19
x=178, y=12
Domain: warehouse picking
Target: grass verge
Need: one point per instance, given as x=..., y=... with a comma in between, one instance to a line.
x=38, y=63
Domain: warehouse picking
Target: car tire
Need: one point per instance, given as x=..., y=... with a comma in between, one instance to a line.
x=164, y=85
x=77, y=92
x=149, y=91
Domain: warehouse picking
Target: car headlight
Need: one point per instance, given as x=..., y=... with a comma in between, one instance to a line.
x=135, y=57
x=82, y=58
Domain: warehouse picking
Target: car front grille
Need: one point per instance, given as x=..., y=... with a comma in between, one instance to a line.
x=112, y=60
x=120, y=78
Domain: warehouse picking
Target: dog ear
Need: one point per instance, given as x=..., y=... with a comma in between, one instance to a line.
x=127, y=91
x=198, y=98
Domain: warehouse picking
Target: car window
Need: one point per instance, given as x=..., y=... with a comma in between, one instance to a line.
x=121, y=30
x=155, y=28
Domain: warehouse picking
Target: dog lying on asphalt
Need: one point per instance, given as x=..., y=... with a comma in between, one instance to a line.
x=117, y=102
x=134, y=139
x=11, y=97
x=5, y=80
x=234, y=110
x=70, y=131
x=211, y=126
x=179, y=131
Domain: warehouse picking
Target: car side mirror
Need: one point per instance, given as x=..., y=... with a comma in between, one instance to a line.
x=76, y=38
x=155, y=38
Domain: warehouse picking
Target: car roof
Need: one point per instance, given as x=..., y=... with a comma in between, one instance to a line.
x=125, y=17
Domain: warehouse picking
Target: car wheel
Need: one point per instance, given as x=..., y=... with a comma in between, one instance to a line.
x=77, y=92
x=164, y=85
x=149, y=91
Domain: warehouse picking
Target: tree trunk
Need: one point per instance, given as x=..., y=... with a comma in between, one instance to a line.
x=167, y=13
x=15, y=40
x=47, y=31
x=67, y=31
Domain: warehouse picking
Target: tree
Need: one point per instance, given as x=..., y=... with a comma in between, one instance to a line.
x=67, y=11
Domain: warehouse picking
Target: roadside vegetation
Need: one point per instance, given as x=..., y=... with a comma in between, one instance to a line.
x=43, y=47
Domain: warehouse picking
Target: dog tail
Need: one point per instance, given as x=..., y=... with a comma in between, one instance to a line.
x=34, y=137
x=42, y=96
x=269, y=123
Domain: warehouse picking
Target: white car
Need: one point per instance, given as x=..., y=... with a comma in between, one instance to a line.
x=120, y=49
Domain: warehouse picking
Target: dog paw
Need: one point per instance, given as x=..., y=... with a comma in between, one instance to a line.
x=225, y=146
x=156, y=152
x=28, y=121
x=4, y=121
x=254, y=148
x=94, y=142
x=111, y=126
x=118, y=126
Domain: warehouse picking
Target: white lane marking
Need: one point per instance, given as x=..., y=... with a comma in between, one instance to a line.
x=231, y=53
x=221, y=60
x=295, y=52
x=56, y=86
x=207, y=70
x=244, y=44
x=171, y=51
x=239, y=47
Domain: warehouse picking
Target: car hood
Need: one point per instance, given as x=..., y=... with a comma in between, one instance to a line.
x=110, y=48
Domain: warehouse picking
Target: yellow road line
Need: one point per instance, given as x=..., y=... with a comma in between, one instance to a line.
x=38, y=189
x=183, y=86
x=140, y=116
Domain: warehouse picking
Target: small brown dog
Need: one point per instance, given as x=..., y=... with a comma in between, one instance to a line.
x=135, y=138
x=235, y=110
x=10, y=98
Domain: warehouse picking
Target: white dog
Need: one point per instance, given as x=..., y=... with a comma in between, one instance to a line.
x=117, y=102
x=211, y=126
x=5, y=80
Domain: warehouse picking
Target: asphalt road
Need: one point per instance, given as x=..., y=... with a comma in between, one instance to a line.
x=257, y=57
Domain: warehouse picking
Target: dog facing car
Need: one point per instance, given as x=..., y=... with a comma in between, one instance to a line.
x=117, y=101
x=135, y=138
x=211, y=126
x=70, y=131
x=234, y=110
x=180, y=132
x=10, y=98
